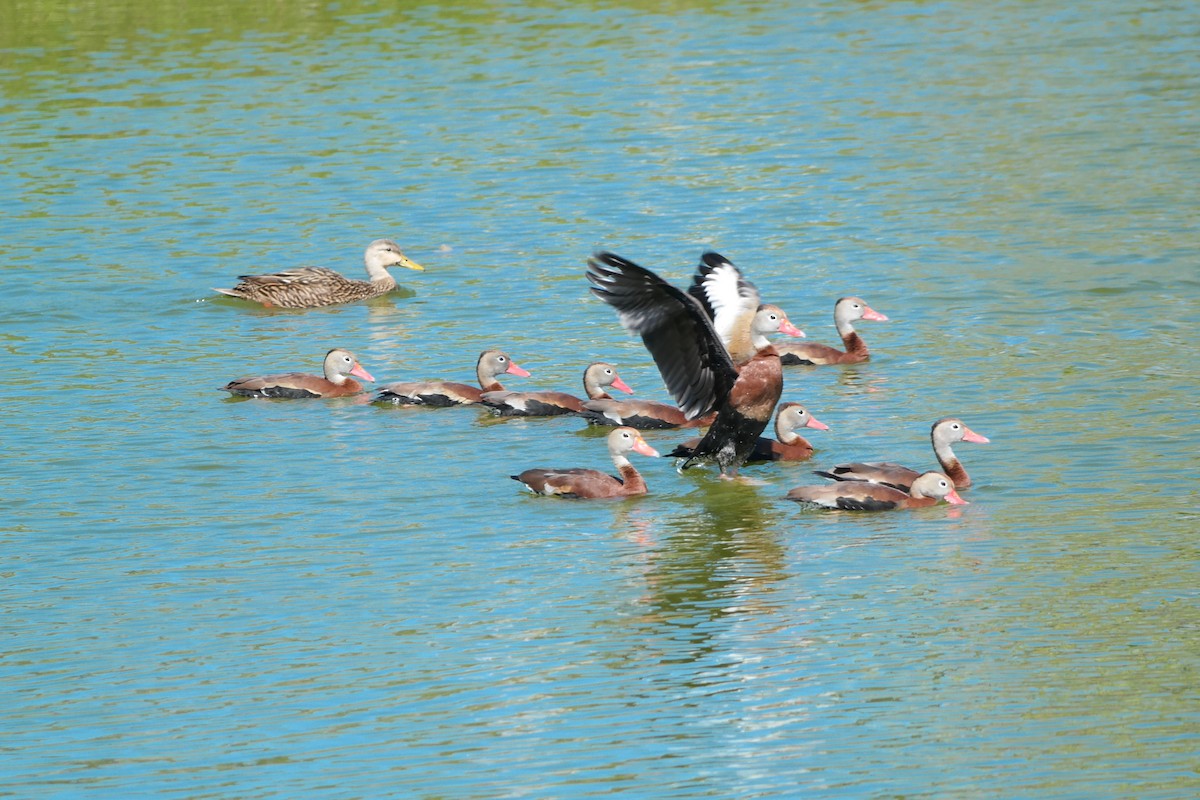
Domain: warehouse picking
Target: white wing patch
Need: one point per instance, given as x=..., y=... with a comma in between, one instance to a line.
x=731, y=297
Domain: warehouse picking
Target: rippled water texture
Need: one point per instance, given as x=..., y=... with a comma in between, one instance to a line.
x=210, y=597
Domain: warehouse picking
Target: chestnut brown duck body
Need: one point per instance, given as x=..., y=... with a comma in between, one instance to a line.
x=644, y=415
x=338, y=366
x=582, y=483
x=488, y=369
x=641, y=414
x=597, y=379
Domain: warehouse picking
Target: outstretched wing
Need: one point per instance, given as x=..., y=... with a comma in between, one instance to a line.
x=727, y=297
x=694, y=364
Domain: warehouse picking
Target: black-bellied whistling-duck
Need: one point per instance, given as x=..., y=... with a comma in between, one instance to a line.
x=597, y=378
x=845, y=312
x=641, y=414
x=787, y=444
x=491, y=364
x=741, y=382
x=589, y=483
x=717, y=286
x=339, y=366
x=926, y=490
x=943, y=434
x=312, y=287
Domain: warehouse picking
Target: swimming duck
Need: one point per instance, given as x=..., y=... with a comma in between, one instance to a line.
x=338, y=367
x=597, y=378
x=846, y=312
x=926, y=490
x=943, y=434
x=313, y=287
x=787, y=444
x=490, y=365
x=591, y=483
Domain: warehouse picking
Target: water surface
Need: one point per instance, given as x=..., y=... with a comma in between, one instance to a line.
x=209, y=597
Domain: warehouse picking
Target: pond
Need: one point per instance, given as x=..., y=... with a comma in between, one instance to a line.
x=207, y=596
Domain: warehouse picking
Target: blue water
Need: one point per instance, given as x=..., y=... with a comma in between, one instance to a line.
x=210, y=597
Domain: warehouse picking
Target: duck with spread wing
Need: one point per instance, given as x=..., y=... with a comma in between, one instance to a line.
x=709, y=344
